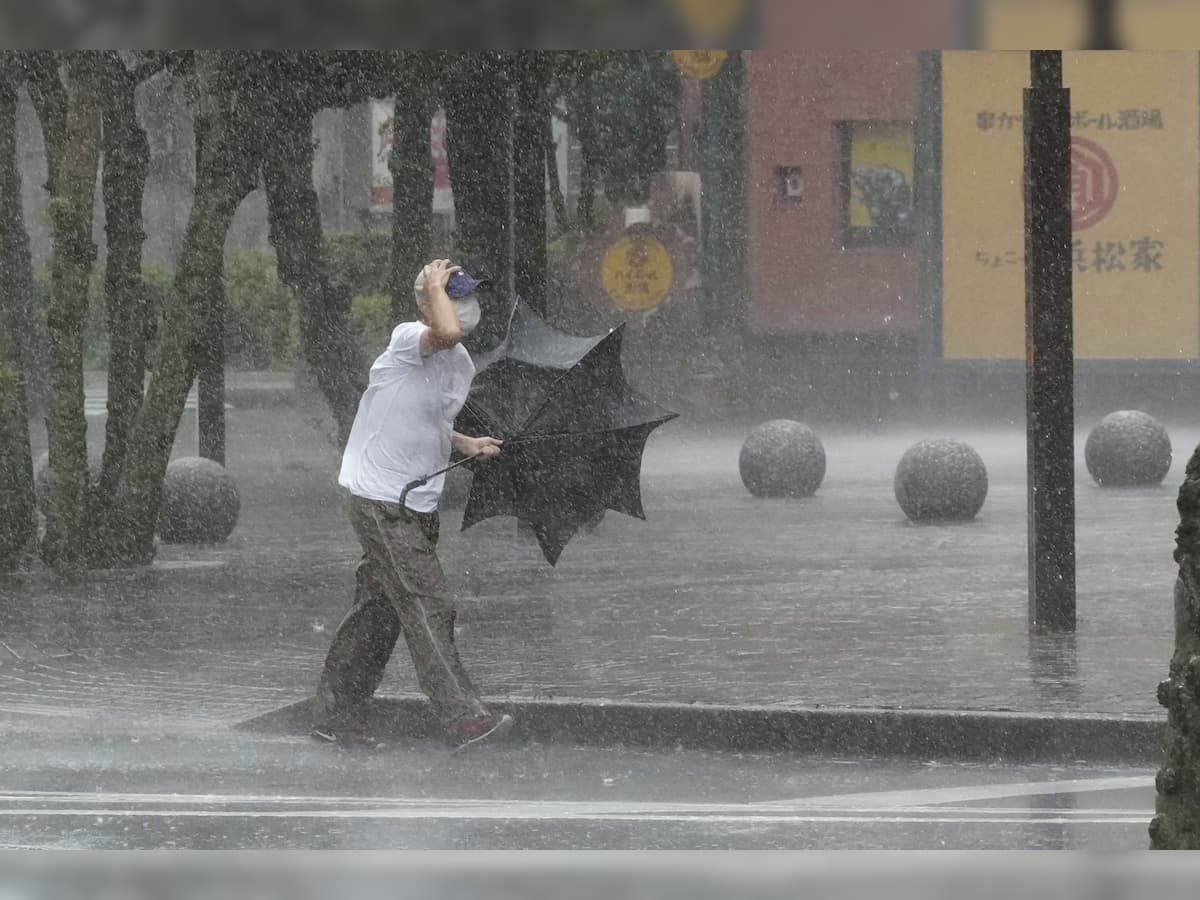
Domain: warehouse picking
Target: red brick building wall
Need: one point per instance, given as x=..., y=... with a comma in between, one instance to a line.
x=800, y=277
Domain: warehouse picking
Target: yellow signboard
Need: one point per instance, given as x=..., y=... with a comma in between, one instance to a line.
x=1025, y=24
x=700, y=64
x=637, y=273
x=1135, y=195
x=1159, y=24
x=1036, y=24
x=711, y=18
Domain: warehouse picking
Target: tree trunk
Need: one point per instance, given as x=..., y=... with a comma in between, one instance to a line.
x=76, y=155
x=126, y=162
x=1177, y=823
x=49, y=98
x=295, y=232
x=529, y=178
x=226, y=173
x=17, y=520
x=411, y=166
x=479, y=147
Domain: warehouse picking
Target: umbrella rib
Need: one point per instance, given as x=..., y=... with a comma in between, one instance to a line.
x=484, y=417
x=559, y=380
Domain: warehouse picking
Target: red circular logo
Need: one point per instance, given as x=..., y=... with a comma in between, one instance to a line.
x=1093, y=183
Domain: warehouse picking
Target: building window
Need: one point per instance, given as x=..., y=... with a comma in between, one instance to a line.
x=876, y=183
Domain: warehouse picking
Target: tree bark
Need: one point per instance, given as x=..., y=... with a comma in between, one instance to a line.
x=295, y=233
x=17, y=519
x=76, y=154
x=529, y=178
x=126, y=163
x=477, y=141
x=1177, y=823
x=232, y=101
x=49, y=98
x=411, y=166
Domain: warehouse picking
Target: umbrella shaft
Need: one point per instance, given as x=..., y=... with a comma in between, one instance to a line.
x=426, y=479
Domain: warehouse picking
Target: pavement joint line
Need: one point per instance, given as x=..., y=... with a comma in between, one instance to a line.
x=515, y=814
x=397, y=808
x=879, y=806
x=525, y=809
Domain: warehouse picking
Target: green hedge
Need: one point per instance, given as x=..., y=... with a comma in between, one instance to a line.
x=371, y=318
x=359, y=262
x=261, y=327
x=261, y=330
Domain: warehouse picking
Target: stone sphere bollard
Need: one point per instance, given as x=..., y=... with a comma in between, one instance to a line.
x=200, y=503
x=1128, y=448
x=941, y=481
x=782, y=459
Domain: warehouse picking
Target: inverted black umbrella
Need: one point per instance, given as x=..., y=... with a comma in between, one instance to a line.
x=573, y=431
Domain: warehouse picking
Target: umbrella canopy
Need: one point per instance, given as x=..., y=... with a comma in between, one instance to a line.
x=573, y=431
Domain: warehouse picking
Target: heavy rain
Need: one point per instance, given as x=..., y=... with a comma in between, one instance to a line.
x=605, y=448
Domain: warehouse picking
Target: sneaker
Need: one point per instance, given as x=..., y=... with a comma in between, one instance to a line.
x=347, y=738
x=473, y=732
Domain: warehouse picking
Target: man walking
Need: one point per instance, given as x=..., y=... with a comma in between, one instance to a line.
x=404, y=430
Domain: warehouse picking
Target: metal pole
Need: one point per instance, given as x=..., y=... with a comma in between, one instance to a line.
x=1049, y=344
x=927, y=190
x=1103, y=25
x=529, y=179
x=210, y=403
x=723, y=225
x=210, y=392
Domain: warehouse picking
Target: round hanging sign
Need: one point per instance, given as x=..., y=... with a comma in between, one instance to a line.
x=637, y=273
x=700, y=64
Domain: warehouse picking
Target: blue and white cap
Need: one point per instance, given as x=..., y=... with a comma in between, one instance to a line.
x=463, y=285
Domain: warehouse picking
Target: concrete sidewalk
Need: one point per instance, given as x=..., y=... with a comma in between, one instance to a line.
x=835, y=603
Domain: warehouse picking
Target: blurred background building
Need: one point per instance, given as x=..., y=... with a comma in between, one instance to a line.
x=856, y=238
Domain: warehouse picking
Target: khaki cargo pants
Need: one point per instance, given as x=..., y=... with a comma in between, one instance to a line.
x=400, y=588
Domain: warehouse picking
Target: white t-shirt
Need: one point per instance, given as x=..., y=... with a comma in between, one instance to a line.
x=405, y=419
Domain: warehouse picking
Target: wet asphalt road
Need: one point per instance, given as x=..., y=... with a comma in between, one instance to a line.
x=209, y=788
x=118, y=691
x=718, y=597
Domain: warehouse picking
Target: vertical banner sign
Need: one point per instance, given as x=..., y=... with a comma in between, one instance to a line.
x=1135, y=204
x=381, y=146
x=443, y=197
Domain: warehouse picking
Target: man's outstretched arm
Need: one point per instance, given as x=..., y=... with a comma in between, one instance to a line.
x=486, y=447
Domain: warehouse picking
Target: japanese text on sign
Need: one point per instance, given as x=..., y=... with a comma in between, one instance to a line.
x=1140, y=255
x=1120, y=120
x=637, y=273
x=1135, y=170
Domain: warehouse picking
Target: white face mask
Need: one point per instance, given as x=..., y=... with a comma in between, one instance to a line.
x=469, y=313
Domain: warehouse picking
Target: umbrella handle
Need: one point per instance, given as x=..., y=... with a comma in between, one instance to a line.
x=421, y=482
